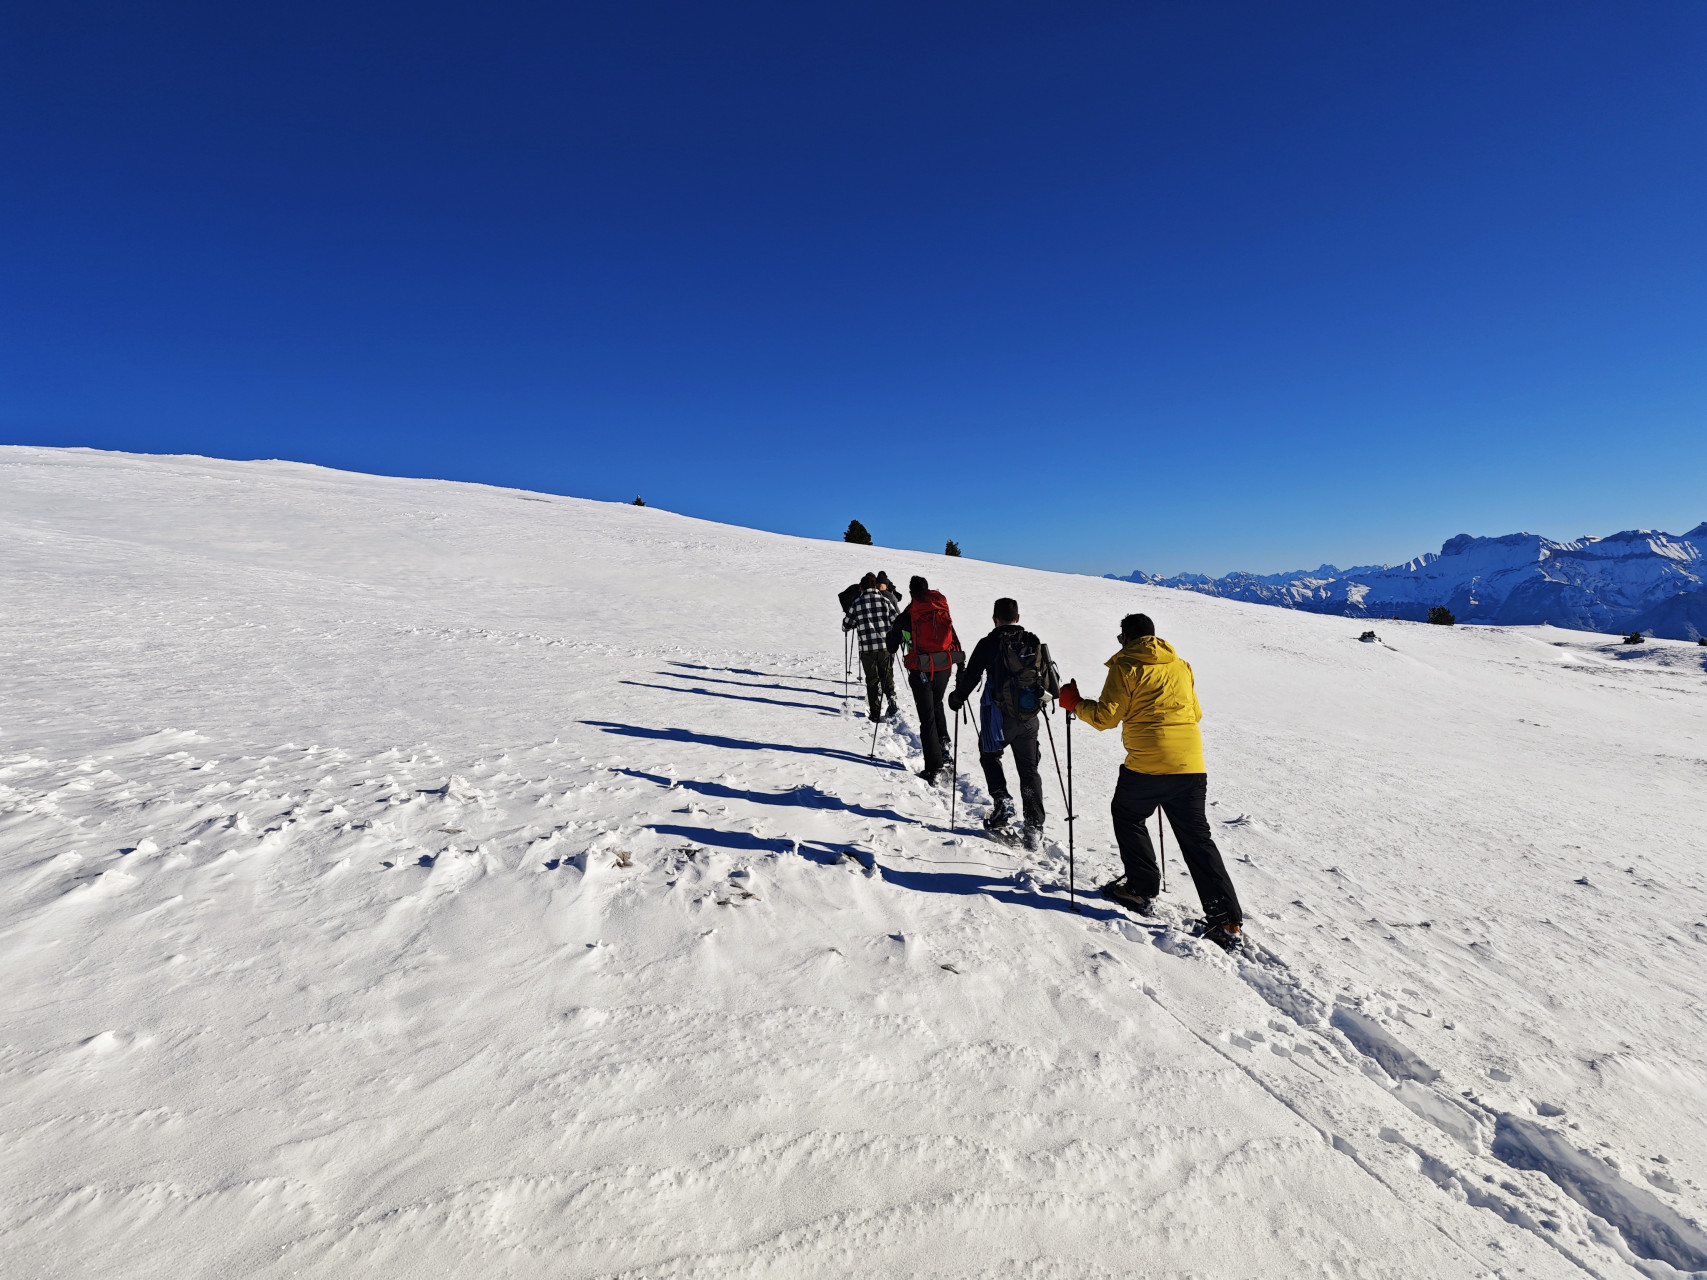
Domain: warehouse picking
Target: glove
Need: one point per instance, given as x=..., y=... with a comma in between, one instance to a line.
x=1069, y=696
x=955, y=702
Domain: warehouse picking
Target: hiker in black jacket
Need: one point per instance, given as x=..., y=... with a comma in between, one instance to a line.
x=1018, y=676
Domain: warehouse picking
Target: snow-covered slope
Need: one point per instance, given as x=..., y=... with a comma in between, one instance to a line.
x=1639, y=580
x=406, y=878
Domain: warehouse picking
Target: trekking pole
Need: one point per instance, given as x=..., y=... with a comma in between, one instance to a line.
x=873, y=754
x=954, y=769
x=1072, y=890
x=1162, y=848
x=1047, y=716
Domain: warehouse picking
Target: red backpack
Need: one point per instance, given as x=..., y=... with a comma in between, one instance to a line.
x=934, y=643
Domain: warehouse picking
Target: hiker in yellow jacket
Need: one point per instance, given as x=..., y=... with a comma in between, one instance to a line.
x=1151, y=694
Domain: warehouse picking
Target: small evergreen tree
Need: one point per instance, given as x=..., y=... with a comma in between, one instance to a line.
x=1701, y=640
x=639, y=501
x=1441, y=616
x=856, y=533
x=1635, y=637
x=952, y=549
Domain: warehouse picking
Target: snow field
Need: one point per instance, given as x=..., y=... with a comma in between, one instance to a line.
x=402, y=877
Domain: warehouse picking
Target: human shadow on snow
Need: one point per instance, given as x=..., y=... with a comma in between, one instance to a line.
x=958, y=883
x=734, y=697
x=737, y=744
x=724, y=839
x=1001, y=888
x=742, y=684
x=744, y=671
x=803, y=797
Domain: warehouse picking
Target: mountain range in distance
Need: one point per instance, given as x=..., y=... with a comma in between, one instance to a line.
x=1639, y=580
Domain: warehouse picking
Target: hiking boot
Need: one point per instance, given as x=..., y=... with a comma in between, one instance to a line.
x=1117, y=891
x=1229, y=937
x=931, y=776
x=891, y=711
x=1031, y=838
x=1000, y=816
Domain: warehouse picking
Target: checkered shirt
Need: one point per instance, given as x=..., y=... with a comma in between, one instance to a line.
x=871, y=615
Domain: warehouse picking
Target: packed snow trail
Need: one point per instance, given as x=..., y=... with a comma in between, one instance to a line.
x=401, y=876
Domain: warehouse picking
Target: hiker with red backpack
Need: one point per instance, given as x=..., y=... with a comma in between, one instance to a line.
x=933, y=651
x=1019, y=679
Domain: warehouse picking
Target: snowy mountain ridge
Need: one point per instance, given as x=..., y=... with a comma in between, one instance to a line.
x=1638, y=580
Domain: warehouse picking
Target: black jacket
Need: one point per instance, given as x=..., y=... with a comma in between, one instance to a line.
x=986, y=663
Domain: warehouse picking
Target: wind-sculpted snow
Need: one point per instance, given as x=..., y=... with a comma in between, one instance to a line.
x=1639, y=580
x=1372, y=1038
x=404, y=878
x=1653, y=1230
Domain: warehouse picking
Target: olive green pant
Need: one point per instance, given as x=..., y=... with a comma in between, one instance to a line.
x=879, y=667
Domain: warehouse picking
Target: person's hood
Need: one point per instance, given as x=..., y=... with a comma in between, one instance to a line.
x=1148, y=651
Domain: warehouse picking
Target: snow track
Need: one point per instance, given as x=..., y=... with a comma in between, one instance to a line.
x=395, y=877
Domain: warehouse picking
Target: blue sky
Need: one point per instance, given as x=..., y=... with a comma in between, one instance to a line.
x=1185, y=285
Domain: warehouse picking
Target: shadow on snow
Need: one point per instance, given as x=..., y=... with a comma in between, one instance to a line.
x=957, y=883
x=738, y=744
x=742, y=684
x=724, y=839
x=734, y=697
x=803, y=797
x=1001, y=888
x=743, y=671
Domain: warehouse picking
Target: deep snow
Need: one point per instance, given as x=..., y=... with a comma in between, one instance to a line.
x=402, y=878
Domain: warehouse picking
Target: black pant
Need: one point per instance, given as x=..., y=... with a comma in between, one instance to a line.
x=1182, y=797
x=933, y=719
x=1026, y=755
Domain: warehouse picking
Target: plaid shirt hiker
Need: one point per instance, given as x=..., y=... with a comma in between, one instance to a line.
x=871, y=615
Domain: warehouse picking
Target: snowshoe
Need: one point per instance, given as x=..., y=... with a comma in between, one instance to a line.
x=1229, y=937
x=891, y=711
x=1031, y=839
x=1003, y=835
x=1116, y=891
x=1002, y=815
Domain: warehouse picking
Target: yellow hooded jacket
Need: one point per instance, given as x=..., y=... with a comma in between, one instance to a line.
x=1150, y=692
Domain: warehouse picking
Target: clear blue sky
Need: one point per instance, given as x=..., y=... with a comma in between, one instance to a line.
x=1186, y=285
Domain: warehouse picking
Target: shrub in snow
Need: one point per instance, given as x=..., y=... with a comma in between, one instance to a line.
x=639, y=501
x=1441, y=616
x=856, y=533
x=1635, y=637
x=952, y=549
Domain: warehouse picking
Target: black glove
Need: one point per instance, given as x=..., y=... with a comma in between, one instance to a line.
x=956, y=701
